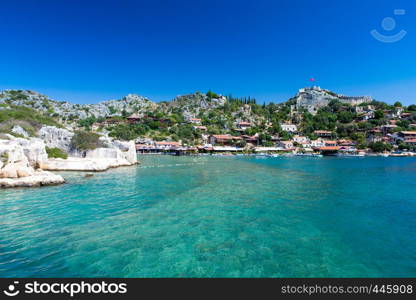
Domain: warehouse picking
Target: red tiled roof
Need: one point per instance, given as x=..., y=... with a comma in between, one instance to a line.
x=168, y=143
x=226, y=137
x=322, y=131
x=330, y=148
x=134, y=116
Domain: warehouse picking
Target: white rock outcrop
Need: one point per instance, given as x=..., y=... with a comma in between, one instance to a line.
x=20, y=131
x=100, y=159
x=38, y=178
x=25, y=162
x=56, y=137
x=16, y=169
x=34, y=150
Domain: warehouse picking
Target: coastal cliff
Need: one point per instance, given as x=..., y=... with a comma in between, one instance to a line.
x=19, y=161
x=24, y=162
x=100, y=159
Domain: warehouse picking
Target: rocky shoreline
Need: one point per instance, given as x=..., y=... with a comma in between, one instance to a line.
x=24, y=162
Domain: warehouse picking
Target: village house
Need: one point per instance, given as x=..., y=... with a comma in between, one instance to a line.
x=195, y=121
x=251, y=139
x=286, y=145
x=385, y=129
x=243, y=125
x=411, y=142
x=395, y=113
x=360, y=109
x=374, y=138
x=133, y=119
x=406, y=116
x=300, y=139
x=323, y=133
x=331, y=143
x=223, y=139
x=345, y=143
x=317, y=143
x=167, y=145
x=202, y=128
x=289, y=127
x=405, y=135
x=365, y=116
x=113, y=121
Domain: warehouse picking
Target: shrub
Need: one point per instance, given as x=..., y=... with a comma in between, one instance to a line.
x=4, y=157
x=84, y=140
x=380, y=146
x=29, y=119
x=56, y=153
x=211, y=95
x=123, y=132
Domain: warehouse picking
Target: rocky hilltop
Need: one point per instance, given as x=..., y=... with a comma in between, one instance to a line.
x=69, y=111
x=314, y=98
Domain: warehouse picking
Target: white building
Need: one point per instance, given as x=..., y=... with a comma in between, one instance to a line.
x=289, y=127
x=285, y=144
x=195, y=121
x=317, y=143
x=300, y=139
x=243, y=125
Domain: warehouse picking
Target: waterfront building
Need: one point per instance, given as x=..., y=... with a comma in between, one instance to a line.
x=317, y=143
x=167, y=145
x=223, y=139
x=287, y=145
x=331, y=143
x=300, y=139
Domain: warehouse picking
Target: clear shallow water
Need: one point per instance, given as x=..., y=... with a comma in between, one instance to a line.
x=217, y=217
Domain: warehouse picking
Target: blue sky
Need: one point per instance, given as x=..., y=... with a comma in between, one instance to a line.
x=90, y=51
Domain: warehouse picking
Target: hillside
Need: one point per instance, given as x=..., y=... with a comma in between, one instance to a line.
x=191, y=118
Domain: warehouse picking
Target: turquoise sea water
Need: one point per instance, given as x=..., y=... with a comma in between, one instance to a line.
x=217, y=217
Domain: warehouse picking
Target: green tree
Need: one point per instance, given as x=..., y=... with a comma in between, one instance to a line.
x=379, y=146
x=83, y=140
